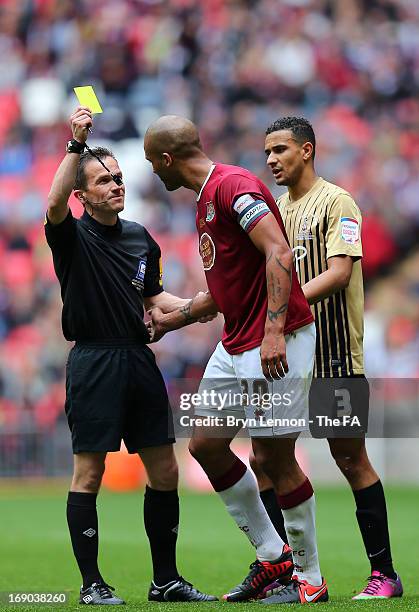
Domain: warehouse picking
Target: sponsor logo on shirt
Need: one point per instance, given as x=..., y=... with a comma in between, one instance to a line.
x=210, y=211
x=207, y=251
x=349, y=230
x=299, y=252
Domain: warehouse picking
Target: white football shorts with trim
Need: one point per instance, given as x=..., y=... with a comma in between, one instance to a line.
x=233, y=388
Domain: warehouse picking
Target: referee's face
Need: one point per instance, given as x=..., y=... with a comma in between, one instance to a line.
x=285, y=157
x=102, y=190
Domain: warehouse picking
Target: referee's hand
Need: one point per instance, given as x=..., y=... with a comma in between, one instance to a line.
x=273, y=356
x=81, y=122
x=155, y=327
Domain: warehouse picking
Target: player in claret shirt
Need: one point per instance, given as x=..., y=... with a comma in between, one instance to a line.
x=267, y=348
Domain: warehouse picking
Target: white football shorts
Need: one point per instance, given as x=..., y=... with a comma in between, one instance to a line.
x=234, y=388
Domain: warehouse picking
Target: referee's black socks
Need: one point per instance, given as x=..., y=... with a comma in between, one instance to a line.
x=83, y=526
x=161, y=521
x=371, y=514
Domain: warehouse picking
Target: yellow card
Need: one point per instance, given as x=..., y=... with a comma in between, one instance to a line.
x=87, y=97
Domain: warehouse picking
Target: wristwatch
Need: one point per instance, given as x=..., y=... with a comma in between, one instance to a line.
x=74, y=146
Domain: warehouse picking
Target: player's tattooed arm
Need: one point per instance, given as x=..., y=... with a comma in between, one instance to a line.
x=274, y=314
x=269, y=239
x=279, y=277
x=186, y=312
x=286, y=269
x=275, y=290
x=167, y=302
x=201, y=308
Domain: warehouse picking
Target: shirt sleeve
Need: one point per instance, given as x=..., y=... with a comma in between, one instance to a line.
x=240, y=197
x=343, y=236
x=153, y=283
x=61, y=236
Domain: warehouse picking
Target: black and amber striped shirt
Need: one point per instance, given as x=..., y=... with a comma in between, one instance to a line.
x=323, y=223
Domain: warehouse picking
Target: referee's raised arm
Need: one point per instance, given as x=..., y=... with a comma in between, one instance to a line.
x=64, y=179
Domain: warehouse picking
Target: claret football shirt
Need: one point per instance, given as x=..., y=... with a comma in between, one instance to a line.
x=231, y=202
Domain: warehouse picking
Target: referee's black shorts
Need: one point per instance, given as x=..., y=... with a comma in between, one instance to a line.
x=114, y=392
x=339, y=407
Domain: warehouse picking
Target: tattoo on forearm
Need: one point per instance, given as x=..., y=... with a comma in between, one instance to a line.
x=274, y=314
x=186, y=312
x=287, y=270
x=274, y=287
x=271, y=284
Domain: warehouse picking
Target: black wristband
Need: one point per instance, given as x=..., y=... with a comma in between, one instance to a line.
x=74, y=146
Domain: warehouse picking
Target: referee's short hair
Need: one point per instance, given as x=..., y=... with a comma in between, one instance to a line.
x=100, y=152
x=300, y=127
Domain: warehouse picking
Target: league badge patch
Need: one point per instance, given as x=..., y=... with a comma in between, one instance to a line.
x=349, y=230
x=210, y=211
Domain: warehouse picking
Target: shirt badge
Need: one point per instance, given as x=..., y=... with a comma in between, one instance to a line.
x=349, y=230
x=207, y=251
x=210, y=211
x=138, y=281
x=305, y=232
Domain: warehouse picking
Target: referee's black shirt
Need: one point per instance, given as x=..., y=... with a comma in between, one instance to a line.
x=105, y=272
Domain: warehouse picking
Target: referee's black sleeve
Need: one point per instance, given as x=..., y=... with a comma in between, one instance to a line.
x=60, y=236
x=153, y=284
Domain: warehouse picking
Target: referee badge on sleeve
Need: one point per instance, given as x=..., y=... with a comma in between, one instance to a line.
x=138, y=281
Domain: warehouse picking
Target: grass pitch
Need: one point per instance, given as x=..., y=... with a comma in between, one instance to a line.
x=212, y=552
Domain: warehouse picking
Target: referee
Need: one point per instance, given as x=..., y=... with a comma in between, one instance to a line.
x=323, y=225
x=109, y=269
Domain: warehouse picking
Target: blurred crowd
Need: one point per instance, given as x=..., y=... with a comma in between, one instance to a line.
x=233, y=66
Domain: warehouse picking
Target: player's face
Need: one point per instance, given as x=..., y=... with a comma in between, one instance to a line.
x=102, y=188
x=162, y=164
x=285, y=157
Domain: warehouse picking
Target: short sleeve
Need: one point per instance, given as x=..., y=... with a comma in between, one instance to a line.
x=343, y=236
x=153, y=283
x=61, y=236
x=241, y=198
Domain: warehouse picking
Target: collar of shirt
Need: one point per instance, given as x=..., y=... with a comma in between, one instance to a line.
x=100, y=228
x=205, y=182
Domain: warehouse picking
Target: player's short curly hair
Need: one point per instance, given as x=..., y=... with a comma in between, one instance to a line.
x=299, y=126
x=100, y=152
